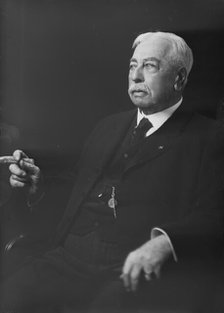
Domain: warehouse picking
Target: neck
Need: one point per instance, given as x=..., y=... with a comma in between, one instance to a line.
x=160, y=108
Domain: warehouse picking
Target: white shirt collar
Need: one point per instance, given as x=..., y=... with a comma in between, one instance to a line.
x=159, y=118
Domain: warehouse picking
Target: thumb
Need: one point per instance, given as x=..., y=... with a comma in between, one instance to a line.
x=19, y=154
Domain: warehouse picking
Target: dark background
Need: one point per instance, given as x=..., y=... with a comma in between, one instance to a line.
x=64, y=64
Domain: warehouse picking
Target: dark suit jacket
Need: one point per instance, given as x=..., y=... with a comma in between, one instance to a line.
x=175, y=182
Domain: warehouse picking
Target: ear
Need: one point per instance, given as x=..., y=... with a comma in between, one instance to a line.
x=181, y=79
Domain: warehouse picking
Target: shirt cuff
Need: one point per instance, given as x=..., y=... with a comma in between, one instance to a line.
x=156, y=231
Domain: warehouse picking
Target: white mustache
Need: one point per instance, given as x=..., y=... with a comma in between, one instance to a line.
x=138, y=88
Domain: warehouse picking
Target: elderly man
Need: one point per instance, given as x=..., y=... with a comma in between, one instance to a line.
x=147, y=197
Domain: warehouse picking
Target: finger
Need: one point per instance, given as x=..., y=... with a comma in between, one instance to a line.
x=19, y=154
x=29, y=160
x=125, y=273
x=19, y=179
x=151, y=273
x=15, y=183
x=134, y=276
x=16, y=170
x=148, y=276
x=7, y=160
x=29, y=166
x=148, y=271
x=126, y=281
x=127, y=265
x=157, y=272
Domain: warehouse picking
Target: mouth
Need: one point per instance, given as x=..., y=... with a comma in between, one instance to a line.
x=135, y=89
x=139, y=92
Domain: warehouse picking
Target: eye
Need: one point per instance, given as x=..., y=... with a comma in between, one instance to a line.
x=132, y=66
x=150, y=65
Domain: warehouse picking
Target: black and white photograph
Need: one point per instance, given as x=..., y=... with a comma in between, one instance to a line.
x=111, y=156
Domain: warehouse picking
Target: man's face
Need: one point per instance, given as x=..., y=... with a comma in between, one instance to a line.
x=152, y=76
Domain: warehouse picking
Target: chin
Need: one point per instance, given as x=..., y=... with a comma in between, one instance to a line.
x=146, y=108
x=141, y=104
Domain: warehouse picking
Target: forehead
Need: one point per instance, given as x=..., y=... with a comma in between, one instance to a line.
x=158, y=48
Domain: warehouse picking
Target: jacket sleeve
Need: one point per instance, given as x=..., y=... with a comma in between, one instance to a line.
x=200, y=233
x=46, y=209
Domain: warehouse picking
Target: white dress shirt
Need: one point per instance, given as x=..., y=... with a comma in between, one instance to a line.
x=159, y=118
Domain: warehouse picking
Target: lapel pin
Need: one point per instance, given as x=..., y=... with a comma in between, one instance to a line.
x=160, y=147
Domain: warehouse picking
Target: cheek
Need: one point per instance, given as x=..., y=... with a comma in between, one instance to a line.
x=160, y=84
x=130, y=81
x=154, y=85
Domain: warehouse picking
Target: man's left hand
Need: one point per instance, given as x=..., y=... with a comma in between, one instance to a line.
x=147, y=259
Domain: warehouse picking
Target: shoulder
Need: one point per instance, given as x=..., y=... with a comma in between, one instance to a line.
x=108, y=126
x=203, y=125
x=114, y=120
x=210, y=132
x=118, y=117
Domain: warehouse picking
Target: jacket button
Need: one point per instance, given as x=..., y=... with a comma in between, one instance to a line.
x=125, y=155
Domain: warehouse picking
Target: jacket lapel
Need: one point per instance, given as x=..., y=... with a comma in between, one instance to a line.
x=109, y=143
x=163, y=139
x=115, y=137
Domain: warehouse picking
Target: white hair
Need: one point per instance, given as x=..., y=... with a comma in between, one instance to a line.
x=182, y=55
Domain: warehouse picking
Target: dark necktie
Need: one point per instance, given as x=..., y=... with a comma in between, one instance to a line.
x=140, y=131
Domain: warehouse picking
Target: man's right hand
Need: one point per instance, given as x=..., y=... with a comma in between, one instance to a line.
x=24, y=173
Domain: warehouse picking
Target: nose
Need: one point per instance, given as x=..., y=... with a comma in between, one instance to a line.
x=137, y=75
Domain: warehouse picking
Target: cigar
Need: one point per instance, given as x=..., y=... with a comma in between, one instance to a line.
x=7, y=160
